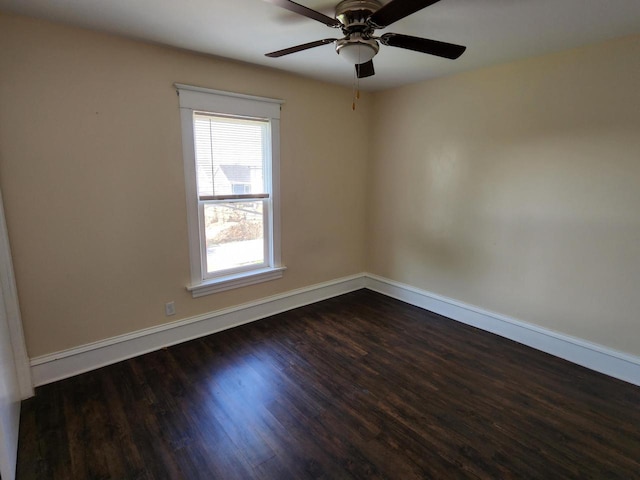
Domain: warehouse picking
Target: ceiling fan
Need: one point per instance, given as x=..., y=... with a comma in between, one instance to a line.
x=358, y=20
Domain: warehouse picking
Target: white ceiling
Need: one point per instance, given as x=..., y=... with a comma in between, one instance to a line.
x=494, y=31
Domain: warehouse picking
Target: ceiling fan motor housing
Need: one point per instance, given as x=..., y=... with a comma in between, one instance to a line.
x=357, y=46
x=353, y=14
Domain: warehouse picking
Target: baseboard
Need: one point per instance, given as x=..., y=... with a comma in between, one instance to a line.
x=59, y=365
x=595, y=357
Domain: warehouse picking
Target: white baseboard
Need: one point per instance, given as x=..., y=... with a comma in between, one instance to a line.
x=56, y=366
x=595, y=357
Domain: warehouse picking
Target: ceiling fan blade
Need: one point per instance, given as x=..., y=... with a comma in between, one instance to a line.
x=424, y=45
x=299, y=48
x=396, y=10
x=365, y=69
x=307, y=12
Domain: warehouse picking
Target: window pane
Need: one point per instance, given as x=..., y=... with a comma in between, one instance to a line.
x=234, y=235
x=229, y=154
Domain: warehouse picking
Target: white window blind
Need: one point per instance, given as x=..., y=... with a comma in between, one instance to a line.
x=230, y=156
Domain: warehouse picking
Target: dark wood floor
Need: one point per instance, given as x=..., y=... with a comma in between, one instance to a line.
x=359, y=386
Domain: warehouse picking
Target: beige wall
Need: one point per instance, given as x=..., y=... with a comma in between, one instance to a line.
x=514, y=188
x=517, y=189
x=92, y=176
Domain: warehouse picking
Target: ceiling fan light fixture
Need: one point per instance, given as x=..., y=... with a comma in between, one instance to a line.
x=357, y=51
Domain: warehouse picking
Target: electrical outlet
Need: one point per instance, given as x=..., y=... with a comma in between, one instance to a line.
x=170, y=308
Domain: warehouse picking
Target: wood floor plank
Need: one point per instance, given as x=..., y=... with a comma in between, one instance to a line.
x=359, y=386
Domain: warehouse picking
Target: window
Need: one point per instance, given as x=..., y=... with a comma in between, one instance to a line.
x=231, y=152
x=240, y=188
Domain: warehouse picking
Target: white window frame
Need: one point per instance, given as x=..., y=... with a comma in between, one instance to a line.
x=198, y=99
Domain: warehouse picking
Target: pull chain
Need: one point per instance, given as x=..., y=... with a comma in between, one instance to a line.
x=356, y=83
x=356, y=89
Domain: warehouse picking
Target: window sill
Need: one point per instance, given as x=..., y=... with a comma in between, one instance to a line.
x=228, y=282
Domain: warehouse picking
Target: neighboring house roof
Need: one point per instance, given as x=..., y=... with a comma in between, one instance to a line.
x=237, y=173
